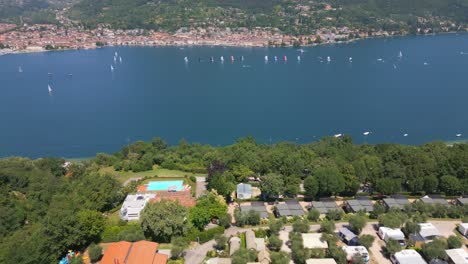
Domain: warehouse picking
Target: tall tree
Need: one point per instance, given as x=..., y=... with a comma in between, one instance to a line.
x=164, y=220
x=330, y=181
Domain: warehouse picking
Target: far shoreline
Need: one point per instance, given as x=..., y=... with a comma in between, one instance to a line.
x=25, y=51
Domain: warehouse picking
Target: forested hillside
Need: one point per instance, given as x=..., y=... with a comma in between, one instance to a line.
x=385, y=168
x=291, y=16
x=47, y=208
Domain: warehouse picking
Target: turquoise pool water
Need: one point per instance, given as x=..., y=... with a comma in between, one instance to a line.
x=164, y=185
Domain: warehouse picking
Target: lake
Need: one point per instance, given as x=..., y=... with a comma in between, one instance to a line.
x=153, y=92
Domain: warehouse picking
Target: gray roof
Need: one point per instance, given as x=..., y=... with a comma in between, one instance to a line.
x=324, y=207
x=409, y=256
x=259, y=209
x=244, y=188
x=359, y=205
x=348, y=234
x=398, y=203
x=462, y=201
x=291, y=209
x=429, y=200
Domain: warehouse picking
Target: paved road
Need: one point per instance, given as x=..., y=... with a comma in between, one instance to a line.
x=198, y=254
x=201, y=186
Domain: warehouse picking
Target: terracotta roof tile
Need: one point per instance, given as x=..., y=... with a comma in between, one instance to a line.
x=160, y=259
x=116, y=253
x=142, y=252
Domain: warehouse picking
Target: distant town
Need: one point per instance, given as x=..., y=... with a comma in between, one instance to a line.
x=68, y=35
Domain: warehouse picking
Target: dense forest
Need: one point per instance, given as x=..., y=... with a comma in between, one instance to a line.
x=47, y=208
x=384, y=168
x=290, y=16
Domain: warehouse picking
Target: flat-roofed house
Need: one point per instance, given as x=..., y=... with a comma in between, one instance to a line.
x=463, y=229
x=461, y=201
x=427, y=233
x=407, y=256
x=396, y=201
x=362, y=203
x=348, y=236
x=324, y=205
x=457, y=256
x=244, y=191
x=314, y=241
x=258, y=207
x=321, y=261
x=434, y=199
x=133, y=205
x=289, y=208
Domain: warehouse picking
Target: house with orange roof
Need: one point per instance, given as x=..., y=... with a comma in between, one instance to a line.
x=141, y=252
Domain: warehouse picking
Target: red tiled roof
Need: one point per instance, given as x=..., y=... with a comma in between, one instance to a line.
x=116, y=253
x=160, y=259
x=183, y=197
x=142, y=252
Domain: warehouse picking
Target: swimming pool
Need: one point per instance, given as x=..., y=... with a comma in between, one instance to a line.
x=165, y=185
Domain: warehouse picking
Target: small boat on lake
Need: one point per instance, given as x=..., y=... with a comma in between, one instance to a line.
x=276, y=58
x=186, y=59
x=338, y=135
x=405, y=135
x=328, y=59
x=366, y=133
x=120, y=60
x=112, y=68
x=400, y=55
x=458, y=135
x=298, y=58
x=285, y=58
x=49, y=89
x=20, y=70
x=232, y=58
x=221, y=59
x=266, y=58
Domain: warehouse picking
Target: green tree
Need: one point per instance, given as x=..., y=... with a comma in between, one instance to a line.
x=330, y=181
x=92, y=223
x=221, y=241
x=412, y=228
x=95, y=252
x=454, y=242
x=431, y=183
x=179, y=244
x=243, y=256
x=327, y=226
x=209, y=206
x=391, y=247
x=310, y=186
x=301, y=226
x=274, y=243
x=357, y=223
x=450, y=185
x=313, y=215
x=275, y=226
x=366, y=240
x=434, y=249
x=388, y=186
x=379, y=209
x=164, y=220
x=334, y=215
x=392, y=219
x=280, y=258
x=272, y=186
x=222, y=183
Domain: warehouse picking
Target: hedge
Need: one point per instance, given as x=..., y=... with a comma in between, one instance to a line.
x=206, y=235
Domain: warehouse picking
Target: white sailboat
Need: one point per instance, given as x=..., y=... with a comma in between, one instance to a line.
x=266, y=58
x=20, y=70
x=328, y=59
x=366, y=133
x=405, y=135
x=186, y=59
x=400, y=55
x=350, y=59
x=458, y=135
x=112, y=68
x=115, y=59
x=276, y=58
x=222, y=58
x=298, y=58
x=115, y=54
x=49, y=89
x=338, y=135
x=120, y=59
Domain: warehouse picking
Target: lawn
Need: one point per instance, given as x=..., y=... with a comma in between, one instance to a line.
x=156, y=172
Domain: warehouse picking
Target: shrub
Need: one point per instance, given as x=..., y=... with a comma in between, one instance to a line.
x=357, y=223
x=275, y=226
x=313, y=215
x=327, y=226
x=280, y=258
x=334, y=215
x=301, y=226
x=179, y=244
x=261, y=233
x=366, y=240
x=275, y=243
x=204, y=236
x=225, y=221
x=454, y=242
x=221, y=241
x=95, y=252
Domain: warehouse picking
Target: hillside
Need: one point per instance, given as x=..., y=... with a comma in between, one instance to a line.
x=31, y=11
x=291, y=16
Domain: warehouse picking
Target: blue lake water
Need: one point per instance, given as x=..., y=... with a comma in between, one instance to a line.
x=154, y=93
